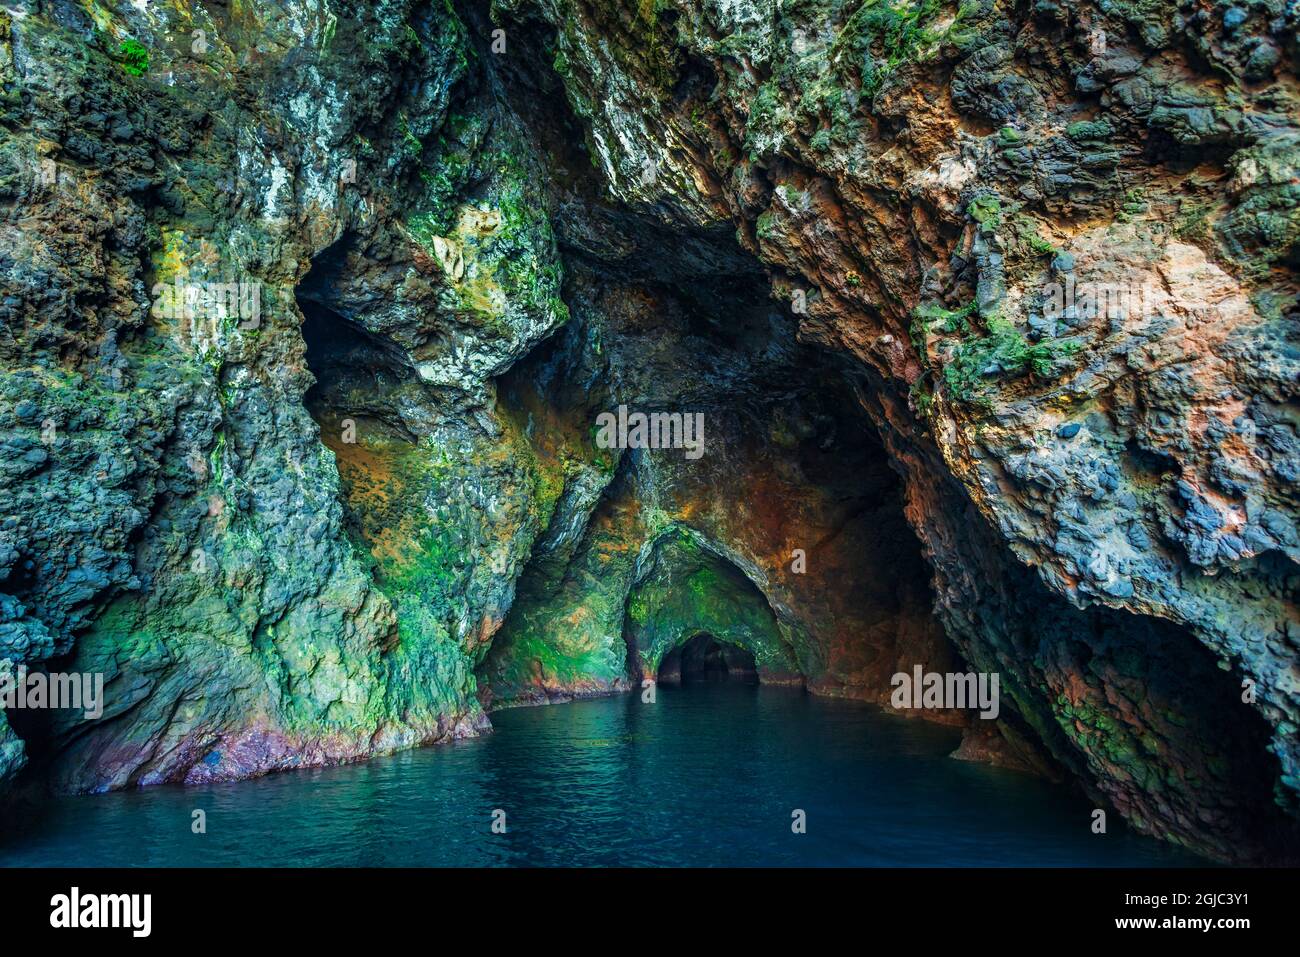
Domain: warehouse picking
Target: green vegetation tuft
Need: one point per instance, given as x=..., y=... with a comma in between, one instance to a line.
x=986, y=210
x=1134, y=204
x=135, y=57
x=1003, y=352
x=953, y=320
x=1027, y=235
x=882, y=35
x=1089, y=131
x=411, y=145
x=560, y=63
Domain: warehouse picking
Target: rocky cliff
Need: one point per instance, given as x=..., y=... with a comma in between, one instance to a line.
x=990, y=311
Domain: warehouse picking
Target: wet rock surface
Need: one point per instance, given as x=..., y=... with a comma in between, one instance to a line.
x=990, y=312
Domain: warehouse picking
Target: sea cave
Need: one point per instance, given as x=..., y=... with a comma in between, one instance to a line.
x=374, y=375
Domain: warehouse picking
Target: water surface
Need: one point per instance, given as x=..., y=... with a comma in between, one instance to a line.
x=708, y=775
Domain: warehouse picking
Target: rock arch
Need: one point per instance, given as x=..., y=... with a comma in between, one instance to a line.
x=688, y=590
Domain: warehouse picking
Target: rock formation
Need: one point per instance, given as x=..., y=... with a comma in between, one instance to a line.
x=990, y=310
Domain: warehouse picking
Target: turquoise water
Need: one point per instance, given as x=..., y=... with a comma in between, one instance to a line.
x=708, y=775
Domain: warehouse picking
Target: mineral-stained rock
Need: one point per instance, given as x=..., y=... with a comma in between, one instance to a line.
x=990, y=311
x=1100, y=363
x=12, y=757
x=181, y=529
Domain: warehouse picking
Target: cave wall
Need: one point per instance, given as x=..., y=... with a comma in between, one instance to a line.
x=345, y=528
x=180, y=527
x=916, y=182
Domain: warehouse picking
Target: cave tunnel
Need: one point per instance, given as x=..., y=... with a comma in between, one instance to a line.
x=356, y=371
x=704, y=658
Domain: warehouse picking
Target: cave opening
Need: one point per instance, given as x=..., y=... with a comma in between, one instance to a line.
x=356, y=372
x=703, y=658
x=794, y=504
x=794, y=485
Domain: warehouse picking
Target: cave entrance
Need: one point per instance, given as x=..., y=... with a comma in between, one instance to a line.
x=704, y=658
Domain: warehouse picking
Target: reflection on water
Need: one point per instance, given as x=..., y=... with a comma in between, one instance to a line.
x=708, y=775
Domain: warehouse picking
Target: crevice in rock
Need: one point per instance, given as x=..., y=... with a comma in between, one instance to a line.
x=354, y=369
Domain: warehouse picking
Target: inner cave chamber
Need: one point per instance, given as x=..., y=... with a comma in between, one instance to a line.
x=781, y=555
x=784, y=542
x=704, y=658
